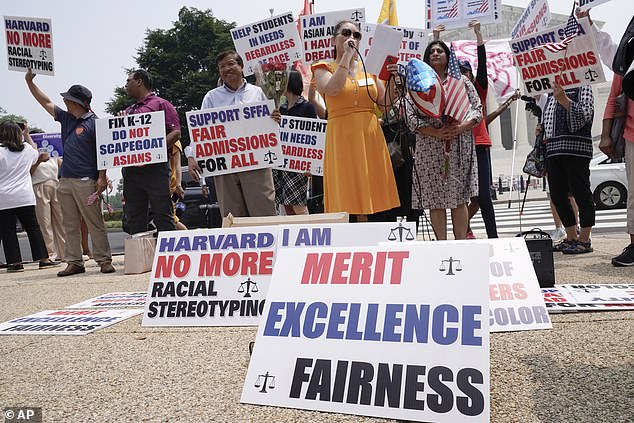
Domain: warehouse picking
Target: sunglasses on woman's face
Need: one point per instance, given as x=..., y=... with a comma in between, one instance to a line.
x=347, y=32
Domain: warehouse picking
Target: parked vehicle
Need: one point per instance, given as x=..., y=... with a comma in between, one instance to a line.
x=608, y=182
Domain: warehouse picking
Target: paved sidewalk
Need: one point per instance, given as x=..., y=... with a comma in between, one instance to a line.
x=580, y=371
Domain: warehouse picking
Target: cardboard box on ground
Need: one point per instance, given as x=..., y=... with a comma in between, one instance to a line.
x=139, y=253
x=230, y=221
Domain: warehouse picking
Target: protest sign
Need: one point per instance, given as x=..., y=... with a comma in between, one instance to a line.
x=220, y=277
x=598, y=294
x=49, y=143
x=551, y=57
x=587, y=4
x=303, y=142
x=270, y=40
x=131, y=140
x=384, y=49
x=412, y=46
x=458, y=13
x=65, y=322
x=534, y=19
x=29, y=44
x=317, y=31
x=235, y=138
x=397, y=332
x=556, y=302
x=113, y=300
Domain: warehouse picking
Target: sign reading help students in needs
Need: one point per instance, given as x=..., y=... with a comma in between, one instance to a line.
x=131, y=140
x=49, y=143
x=303, y=143
x=235, y=138
x=534, y=19
x=271, y=40
x=65, y=322
x=458, y=13
x=396, y=332
x=29, y=44
x=318, y=30
x=598, y=293
x=412, y=47
x=556, y=302
x=550, y=57
x=113, y=300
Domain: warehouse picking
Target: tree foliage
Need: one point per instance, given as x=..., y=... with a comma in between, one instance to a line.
x=181, y=61
x=4, y=117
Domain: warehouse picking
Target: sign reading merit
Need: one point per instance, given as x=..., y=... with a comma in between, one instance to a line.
x=29, y=44
x=394, y=332
x=271, y=40
x=131, y=140
x=65, y=322
x=235, y=138
x=412, y=46
x=303, y=143
x=318, y=30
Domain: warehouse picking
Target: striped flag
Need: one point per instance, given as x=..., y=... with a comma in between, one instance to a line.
x=484, y=7
x=457, y=100
x=571, y=30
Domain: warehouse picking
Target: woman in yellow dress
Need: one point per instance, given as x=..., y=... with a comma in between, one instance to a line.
x=358, y=175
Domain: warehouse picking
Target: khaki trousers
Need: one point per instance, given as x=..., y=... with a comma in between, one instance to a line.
x=49, y=216
x=73, y=195
x=246, y=194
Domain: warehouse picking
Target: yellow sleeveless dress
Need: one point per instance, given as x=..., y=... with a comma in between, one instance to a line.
x=358, y=175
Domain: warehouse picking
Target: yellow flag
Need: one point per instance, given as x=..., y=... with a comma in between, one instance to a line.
x=388, y=13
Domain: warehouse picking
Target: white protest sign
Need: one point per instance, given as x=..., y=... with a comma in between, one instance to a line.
x=458, y=13
x=376, y=331
x=587, y=4
x=29, y=44
x=303, y=144
x=235, y=138
x=270, y=40
x=131, y=140
x=386, y=42
x=113, y=300
x=534, y=19
x=65, y=322
x=220, y=277
x=556, y=302
x=412, y=46
x=550, y=57
x=317, y=31
x=598, y=294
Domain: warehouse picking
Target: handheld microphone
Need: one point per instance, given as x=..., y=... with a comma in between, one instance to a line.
x=351, y=44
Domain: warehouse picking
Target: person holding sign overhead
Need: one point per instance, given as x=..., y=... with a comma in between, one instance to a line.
x=79, y=176
x=358, y=175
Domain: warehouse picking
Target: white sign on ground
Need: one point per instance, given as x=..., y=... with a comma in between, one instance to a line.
x=29, y=44
x=65, y=322
x=317, y=31
x=458, y=13
x=303, y=143
x=556, y=302
x=114, y=300
x=131, y=140
x=270, y=40
x=534, y=19
x=396, y=332
x=598, y=293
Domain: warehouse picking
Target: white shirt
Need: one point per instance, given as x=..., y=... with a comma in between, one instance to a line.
x=15, y=177
x=45, y=171
x=607, y=48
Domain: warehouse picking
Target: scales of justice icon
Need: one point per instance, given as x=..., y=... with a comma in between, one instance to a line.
x=248, y=286
x=401, y=230
x=270, y=157
x=266, y=381
x=450, y=261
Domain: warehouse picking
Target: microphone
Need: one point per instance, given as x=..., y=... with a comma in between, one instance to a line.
x=351, y=44
x=528, y=99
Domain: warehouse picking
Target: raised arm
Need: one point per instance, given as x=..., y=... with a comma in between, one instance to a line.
x=38, y=94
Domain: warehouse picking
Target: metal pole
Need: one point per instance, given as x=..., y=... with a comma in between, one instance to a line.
x=517, y=113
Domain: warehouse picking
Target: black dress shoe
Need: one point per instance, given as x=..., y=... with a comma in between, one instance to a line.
x=44, y=264
x=72, y=269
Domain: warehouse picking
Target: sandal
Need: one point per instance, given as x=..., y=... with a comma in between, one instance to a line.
x=563, y=245
x=579, y=247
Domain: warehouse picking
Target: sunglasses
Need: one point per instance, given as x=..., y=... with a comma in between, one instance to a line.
x=347, y=32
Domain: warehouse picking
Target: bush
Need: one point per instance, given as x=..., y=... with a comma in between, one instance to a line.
x=115, y=215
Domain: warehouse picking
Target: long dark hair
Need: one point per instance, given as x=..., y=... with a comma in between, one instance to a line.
x=11, y=136
x=428, y=51
x=295, y=82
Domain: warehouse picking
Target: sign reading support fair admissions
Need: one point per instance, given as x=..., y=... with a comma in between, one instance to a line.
x=29, y=44
x=271, y=40
x=131, y=140
x=65, y=322
x=318, y=30
x=377, y=331
x=235, y=138
x=303, y=143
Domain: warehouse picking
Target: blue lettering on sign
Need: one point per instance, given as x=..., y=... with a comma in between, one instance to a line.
x=216, y=242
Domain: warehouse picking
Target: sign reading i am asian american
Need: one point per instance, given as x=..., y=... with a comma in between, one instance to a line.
x=317, y=31
x=458, y=13
x=376, y=331
x=29, y=44
x=303, y=142
x=236, y=138
x=412, y=47
x=534, y=19
x=65, y=322
x=550, y=57
x=131, y=140
x=270, y=40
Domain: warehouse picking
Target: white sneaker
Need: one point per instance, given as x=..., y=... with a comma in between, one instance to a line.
x=558, y=234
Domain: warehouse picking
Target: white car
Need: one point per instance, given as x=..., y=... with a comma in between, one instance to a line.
x=608, y=182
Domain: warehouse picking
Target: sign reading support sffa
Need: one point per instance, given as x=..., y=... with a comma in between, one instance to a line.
x=550, y=57
x=235, y=138
x=318, y=30
x=131, y=140
x=377, y=331
x=29, y=44
x=303, y=142
x=271, y=40
x=534, y=19
x=65, y=322
x=412, y=46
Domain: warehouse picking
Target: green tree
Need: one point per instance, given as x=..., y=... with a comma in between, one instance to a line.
x=181, y=61
x=4, y=117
